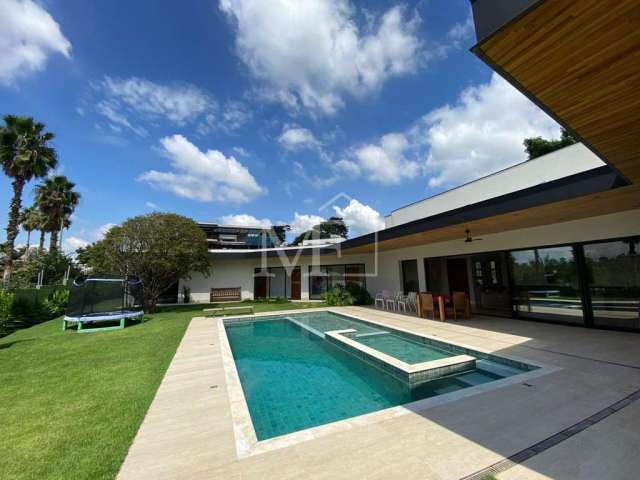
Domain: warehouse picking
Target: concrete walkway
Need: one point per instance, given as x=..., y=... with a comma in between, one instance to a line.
x=189, y=431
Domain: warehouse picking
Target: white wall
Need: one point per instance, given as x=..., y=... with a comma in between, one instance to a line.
x=559, y=164
x=383, y=270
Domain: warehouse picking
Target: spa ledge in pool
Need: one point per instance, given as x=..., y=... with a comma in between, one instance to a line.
x=412, y=374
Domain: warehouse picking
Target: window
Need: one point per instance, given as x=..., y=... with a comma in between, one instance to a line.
x=325, y=277
x=546, y=284
x=613, y=279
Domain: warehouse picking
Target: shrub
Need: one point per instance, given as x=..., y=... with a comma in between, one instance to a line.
x=360, y=295
x=56, y=303
x=6, y=305
x=338, y=297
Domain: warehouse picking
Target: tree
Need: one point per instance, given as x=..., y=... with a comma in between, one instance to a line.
x=538, y=146
x=31, y=219
x=327, y=229
x=25, y=154
x=159, y=248
x=57, y=200
x=280, y=231
x=53, y=266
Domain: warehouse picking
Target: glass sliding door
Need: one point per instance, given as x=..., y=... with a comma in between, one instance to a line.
x=277, y=282
x=326, y=277
x=546, y=284
x=410, y=282
x=613, y=271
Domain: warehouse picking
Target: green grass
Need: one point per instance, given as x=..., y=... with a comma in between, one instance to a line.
x=70, y=404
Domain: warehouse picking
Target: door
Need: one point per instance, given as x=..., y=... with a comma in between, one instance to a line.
x=410, y=276
x=295, y=284
x=259, y=284
x=457, y=273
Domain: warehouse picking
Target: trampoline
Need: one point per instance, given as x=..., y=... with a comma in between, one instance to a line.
x=103, y=300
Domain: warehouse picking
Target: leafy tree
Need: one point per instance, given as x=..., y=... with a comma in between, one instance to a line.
x=159, y=248
x=93, y=257
x=280, y=231
x=53, y=264
x=25, y=153
x=57, y=199
x=327, y=229
x=538, y=146
x=31, y=219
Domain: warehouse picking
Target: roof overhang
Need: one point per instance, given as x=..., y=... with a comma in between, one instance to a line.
x=578, y=60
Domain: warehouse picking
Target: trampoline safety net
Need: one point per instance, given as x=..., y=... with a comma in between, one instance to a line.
x=104, y=294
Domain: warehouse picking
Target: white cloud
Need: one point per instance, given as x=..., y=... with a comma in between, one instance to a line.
x=462, y=31
x=72, y=243
x=103, y=230
x=296, y=138
x=244, y=220
x=127, y=102
x=384, y=162
x=28, y=35
x=233, y=116
x=151, y=205
x=482, y=133
x=206, y=176
x=302, y=223
x=360, y=218
x=314, y=53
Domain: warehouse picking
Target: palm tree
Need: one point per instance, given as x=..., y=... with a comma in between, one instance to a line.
x=57, y=200
x=31, y=219
x=24, y=153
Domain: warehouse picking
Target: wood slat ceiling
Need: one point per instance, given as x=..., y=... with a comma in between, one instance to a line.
x=581, y=61
x=610, y=201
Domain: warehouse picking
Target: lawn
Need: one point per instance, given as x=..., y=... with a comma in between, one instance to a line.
x=72, y=403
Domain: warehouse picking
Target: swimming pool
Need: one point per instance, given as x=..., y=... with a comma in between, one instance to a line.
x=293, y=377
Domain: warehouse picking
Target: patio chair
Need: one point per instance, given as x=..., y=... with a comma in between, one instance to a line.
x=459, y=305
x=428, y=306
x=381, y=297
x=401, y=300
x=391, y=301
x=412, y=301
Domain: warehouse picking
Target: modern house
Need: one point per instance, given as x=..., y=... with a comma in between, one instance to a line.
x=555, y=238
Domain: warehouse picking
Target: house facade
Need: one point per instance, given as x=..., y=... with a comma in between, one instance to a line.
x=504, y=239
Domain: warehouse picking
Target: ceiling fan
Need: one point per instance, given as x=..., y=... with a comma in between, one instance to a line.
x=468, y=238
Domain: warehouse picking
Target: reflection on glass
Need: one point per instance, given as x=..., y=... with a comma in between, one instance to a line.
x=410, y=276
x=546, y=284
x=326, y=277
x=614, y=282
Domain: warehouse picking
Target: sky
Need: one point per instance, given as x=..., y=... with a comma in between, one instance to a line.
x=251, y=112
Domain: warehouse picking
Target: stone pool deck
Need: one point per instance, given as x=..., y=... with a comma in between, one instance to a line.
x=188, y=431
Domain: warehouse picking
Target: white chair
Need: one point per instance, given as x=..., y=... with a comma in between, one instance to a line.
x=381, y=297
x=412, y=301
x=390, y=302
x=401, y=300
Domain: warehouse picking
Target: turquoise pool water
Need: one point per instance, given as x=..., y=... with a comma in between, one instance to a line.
x=293, y=379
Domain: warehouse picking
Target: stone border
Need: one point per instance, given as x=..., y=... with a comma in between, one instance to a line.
x=412, y=374
x=247, y=444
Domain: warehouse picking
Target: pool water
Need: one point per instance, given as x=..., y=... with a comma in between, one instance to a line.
x=294, y=379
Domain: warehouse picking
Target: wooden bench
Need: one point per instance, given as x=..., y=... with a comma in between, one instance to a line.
x=227, y=294
x=225, y=310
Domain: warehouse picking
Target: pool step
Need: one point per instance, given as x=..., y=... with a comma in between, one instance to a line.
x=371, y=334
x=306, y=327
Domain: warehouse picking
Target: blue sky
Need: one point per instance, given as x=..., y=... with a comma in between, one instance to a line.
x=245, y=111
